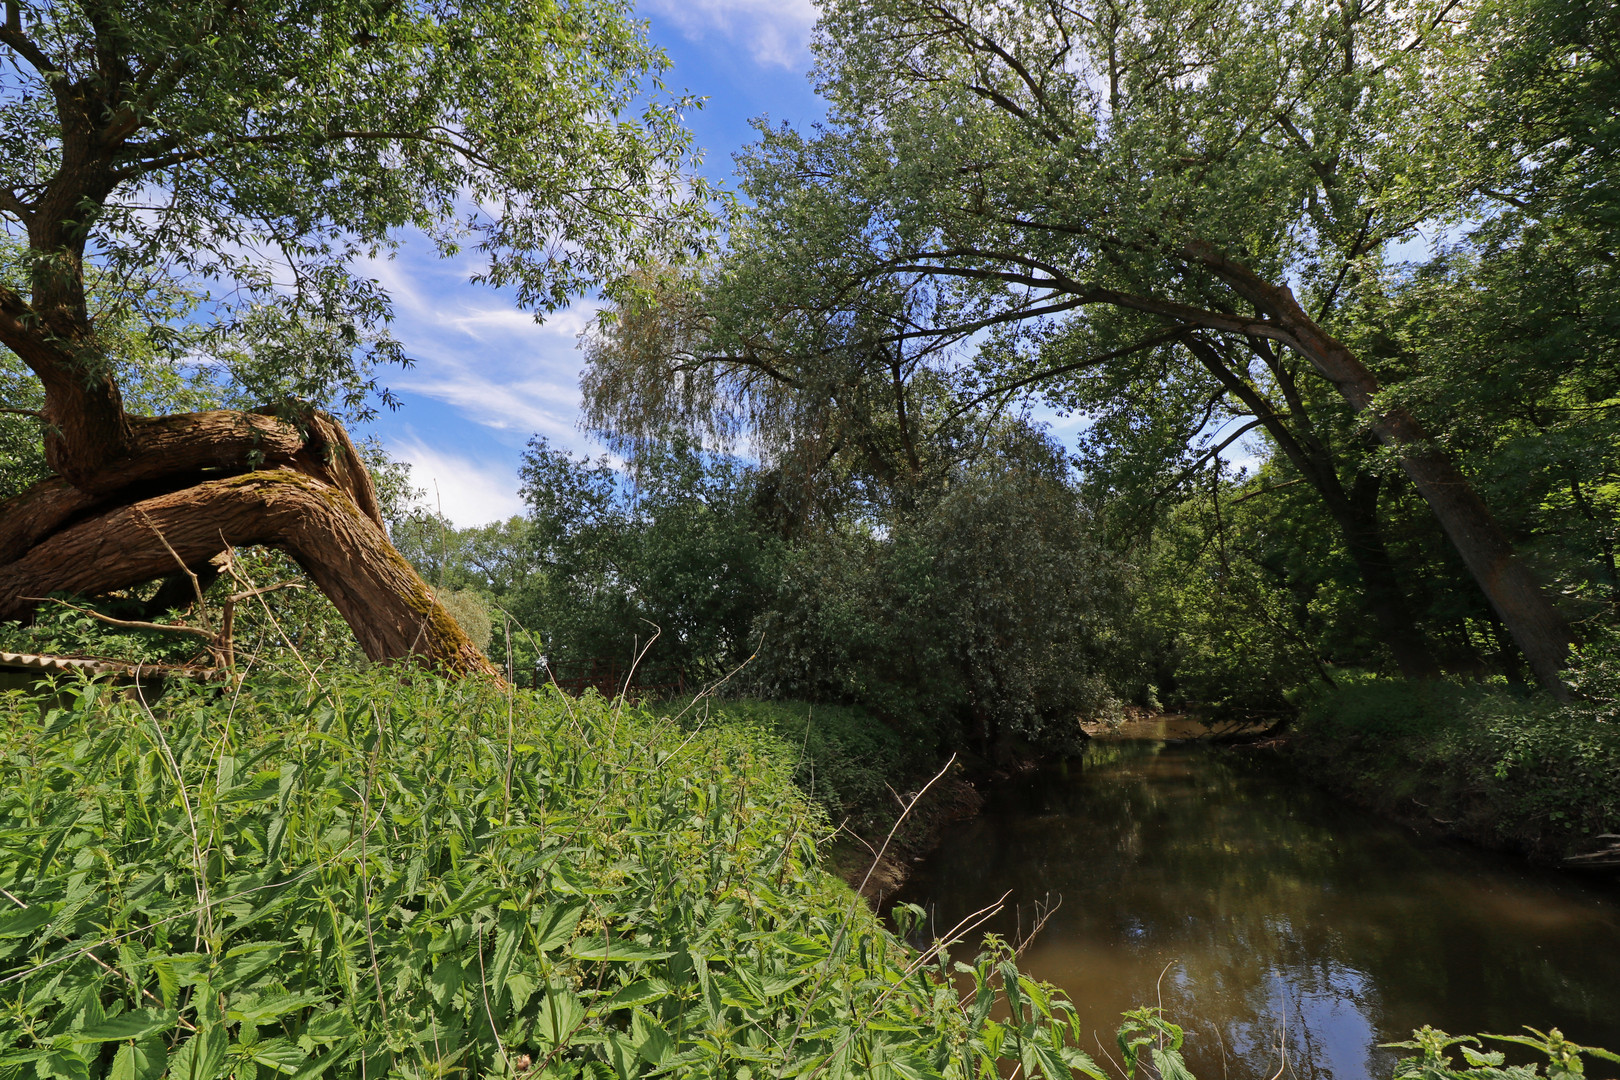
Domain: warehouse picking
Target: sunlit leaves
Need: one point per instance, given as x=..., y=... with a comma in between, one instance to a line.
x=258, y=153
x=384, y=886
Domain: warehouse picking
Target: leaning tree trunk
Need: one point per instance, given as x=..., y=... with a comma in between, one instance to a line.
x=193, y=485
x=1541, y=633
x=1357, y=521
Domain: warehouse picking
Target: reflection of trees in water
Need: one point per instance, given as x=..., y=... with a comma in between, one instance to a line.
x=1274, y=902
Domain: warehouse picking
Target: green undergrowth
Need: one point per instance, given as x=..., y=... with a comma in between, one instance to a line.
x=397, y=875
x=844, y=758
x=1481, y=761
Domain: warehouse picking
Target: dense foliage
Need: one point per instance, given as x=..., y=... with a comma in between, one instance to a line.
x=1479, y=761
x=981, y=607
x=396, y=875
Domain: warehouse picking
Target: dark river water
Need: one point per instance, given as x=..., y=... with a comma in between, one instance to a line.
x=1256, y=909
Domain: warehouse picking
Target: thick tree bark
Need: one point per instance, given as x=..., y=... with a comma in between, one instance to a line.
x=202, y=480
x=347, y=554
x=207, y=481
x=1540, y=632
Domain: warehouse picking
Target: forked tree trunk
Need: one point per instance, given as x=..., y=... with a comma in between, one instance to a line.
x=1356, y=519
x=1540, y=632
x=141, y=516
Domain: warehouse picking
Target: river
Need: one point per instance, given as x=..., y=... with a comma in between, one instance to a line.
x=1260, y=911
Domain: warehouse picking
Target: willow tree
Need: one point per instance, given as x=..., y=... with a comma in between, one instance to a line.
x=1217, y=176
x=251, y=153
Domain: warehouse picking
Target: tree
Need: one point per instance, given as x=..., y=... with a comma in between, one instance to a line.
x=1160, y=424
x=1218, y=175
x=679, y=553
x=839, y=403
x=251, y=153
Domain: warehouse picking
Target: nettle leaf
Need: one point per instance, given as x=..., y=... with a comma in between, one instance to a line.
x=201, y=1057
x=446, y=979
x=129, y=1025
x=269, y=1006
x=62, y=1065
x=143, y=1060
x=561, y=1014
x=329, y=1026
x=556, y=925
x=601, y=948
x=640, y=992
x=277, y=1054
x=264, y=785
x=20, y=922
x=652, y=1042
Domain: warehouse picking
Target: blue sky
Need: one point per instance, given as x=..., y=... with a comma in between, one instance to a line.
x=487, y=377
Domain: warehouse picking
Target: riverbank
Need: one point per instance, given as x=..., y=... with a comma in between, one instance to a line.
x=388, y=873
x=1482, y=764
x=865, y=775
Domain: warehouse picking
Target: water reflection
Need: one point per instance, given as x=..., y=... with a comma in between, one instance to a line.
x=1267, y=917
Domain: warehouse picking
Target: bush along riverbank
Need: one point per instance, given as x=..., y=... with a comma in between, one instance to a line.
x=392, y=875
x=1483, y=763
x=891, y=797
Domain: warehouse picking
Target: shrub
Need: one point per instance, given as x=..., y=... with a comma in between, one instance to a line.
x=843, y=757
x=1507, y=768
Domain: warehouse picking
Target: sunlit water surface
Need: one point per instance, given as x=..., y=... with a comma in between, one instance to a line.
x=1259, y=910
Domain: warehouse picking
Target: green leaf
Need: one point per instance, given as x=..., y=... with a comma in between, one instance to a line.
x=777, y=986
x=557, y=925
x=130, y=1025
x=201, y=1056
x=19, y=922
x=62, y=1065
x=123, y=1066
x=278, y=1054
x=168, y=981
x=640, y=992
x=596, y=948
x=652, y=1042
x=508, y=936
x=333, y=1024
x=268, y=1007
x=264, y=785
x=561, y=1014
x=1081, y=1062
x=446, y=978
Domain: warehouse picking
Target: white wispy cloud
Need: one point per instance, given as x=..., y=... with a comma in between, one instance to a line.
x=483, y=356
x=775, y=32
x=526, y=406
x=469, y=492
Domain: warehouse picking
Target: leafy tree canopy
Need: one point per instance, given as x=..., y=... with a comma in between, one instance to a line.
x=254, y=152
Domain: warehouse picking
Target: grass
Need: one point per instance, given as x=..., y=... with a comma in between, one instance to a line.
x=396, y=875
